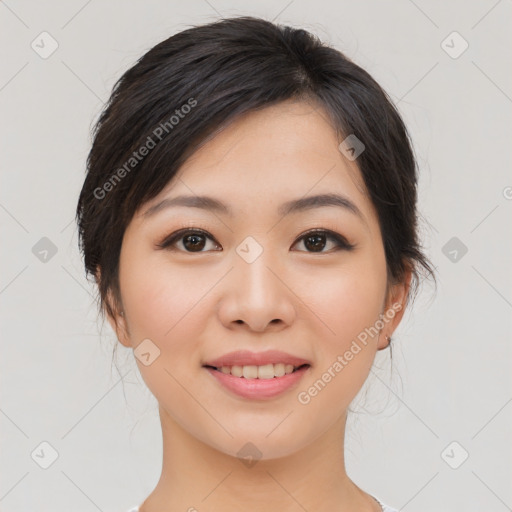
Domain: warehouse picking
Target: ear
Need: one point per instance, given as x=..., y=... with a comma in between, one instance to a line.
x=394, y=309
x=115, y=316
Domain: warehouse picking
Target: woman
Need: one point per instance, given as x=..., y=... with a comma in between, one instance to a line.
x=249, y=215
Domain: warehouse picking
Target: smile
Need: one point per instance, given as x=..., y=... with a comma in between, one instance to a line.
x=275, y=379
x=267, y=371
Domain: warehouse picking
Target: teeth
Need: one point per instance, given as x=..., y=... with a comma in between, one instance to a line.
x=267, y=371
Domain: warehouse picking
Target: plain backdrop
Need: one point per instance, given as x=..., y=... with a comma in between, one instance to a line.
x=431, y=430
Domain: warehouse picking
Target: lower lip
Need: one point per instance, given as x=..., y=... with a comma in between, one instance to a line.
x=256, y=389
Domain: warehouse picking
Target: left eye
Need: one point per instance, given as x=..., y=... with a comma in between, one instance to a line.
x=196, y=240
x=316, y=240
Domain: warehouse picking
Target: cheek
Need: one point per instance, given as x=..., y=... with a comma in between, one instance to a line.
x=349, y=300
x=165, y=306
x=353, y=305
x=160, y=300
x=349, y=305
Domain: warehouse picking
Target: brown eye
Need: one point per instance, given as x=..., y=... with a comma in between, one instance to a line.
x=316, y=241
x=195, y=240
x=187, y=241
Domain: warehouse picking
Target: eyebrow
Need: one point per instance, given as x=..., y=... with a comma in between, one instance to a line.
x=293, y=206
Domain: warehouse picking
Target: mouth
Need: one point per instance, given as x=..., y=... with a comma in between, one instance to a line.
x=264, y=382
x=262, y=372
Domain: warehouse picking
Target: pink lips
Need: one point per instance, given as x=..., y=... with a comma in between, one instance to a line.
x=257, y=389
x=247, y=358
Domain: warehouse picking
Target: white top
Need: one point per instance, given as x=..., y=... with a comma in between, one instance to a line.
x=385, y=508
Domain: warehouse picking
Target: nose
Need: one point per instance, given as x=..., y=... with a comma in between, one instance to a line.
x=255, y=296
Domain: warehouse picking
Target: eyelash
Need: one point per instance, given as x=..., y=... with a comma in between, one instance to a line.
x=176, y=236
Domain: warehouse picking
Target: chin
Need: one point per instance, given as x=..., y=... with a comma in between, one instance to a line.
x=251, y=447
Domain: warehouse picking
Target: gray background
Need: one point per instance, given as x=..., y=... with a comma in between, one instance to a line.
x=450, y=379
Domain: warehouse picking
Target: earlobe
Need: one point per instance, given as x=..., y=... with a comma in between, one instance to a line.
x=115, y=316
x=394, y=310
x=118, y=324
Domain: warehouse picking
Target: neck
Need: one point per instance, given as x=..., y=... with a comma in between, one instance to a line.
x=197, y=477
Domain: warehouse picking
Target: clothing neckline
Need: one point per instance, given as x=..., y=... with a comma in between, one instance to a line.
x=377, y=500
x=382, y=506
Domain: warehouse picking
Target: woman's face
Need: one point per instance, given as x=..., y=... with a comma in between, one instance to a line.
x=247, y=276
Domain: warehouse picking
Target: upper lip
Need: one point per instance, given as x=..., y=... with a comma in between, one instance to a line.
x=248, y=358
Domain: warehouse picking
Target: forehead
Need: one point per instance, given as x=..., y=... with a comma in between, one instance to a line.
x=288, y=142
x=268, y=157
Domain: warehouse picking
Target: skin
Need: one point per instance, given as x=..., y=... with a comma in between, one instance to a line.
x=196, y=306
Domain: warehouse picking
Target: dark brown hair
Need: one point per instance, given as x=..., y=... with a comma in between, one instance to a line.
x=186, y=88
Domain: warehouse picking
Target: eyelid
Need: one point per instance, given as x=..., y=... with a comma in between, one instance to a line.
x=342, y=242
x=175, y=235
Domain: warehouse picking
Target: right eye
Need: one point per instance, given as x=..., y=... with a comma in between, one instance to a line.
x=192, y=240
